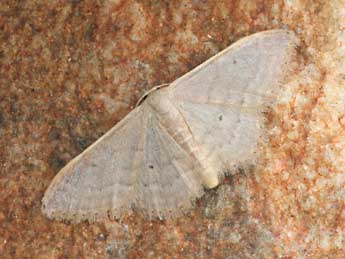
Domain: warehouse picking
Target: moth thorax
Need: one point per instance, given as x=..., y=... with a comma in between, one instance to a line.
x=166, y=111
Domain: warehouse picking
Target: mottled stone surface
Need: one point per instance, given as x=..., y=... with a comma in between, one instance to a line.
x=69, y=70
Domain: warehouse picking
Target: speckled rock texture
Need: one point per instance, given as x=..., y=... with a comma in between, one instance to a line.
x=69, y=70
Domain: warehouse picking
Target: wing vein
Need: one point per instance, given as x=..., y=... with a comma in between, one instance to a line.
x=249, y=109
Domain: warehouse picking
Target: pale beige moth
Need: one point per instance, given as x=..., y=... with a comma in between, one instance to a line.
x=179, y=140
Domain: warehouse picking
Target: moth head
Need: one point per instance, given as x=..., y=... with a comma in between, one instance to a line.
x=149, y=92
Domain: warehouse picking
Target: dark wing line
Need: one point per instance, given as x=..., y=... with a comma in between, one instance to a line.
x=248, y=109
x=263, y=95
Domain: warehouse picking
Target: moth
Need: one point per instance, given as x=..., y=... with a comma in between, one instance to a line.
x=179, y=140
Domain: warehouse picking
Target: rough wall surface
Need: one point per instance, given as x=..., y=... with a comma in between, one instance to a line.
x=69, y=70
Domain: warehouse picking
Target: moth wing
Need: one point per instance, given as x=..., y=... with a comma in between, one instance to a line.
x=101, y=178
x=169, y=179
x=114, y=175
x=222, y=99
